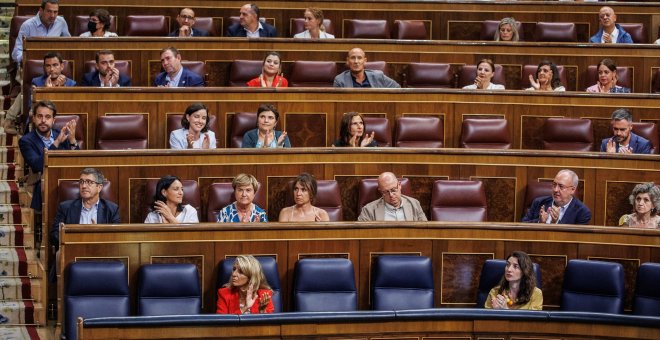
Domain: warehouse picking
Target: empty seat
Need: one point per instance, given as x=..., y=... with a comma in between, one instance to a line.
x=69, y=189
x=402, y=282
x=419, y=132
x=428, y=75
x=222, y=194
x=298, y=25
x=208, y=24
x=593, y=286
x=531, y=70
x=486, y=134
x=491, y=274
x=93, y=290
x=80, y=24
x=458, y=201
x=121, y=132
x=647, y=295
x=328, y=198
x=241, y=123
x=534, y=190
x=624, y=76
x=269, y=267
x=312, y=73
x=366, y=29
x=377, y=65
x=556, y=32
x=368, y=191
x=242, y=71
x=649, y=131
x=169, y=289
x=568, y=134
x=196, y=67
x=469, y=72
x=655, y=88
x=191, y=194
x=381, y=128
x=489, y=27
x=62, y=120
x=146, y=26
x=123, y=66
x=410, y=29
x=637, y=32
x=324, y=285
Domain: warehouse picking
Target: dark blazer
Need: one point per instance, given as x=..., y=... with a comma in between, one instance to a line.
x=251, y=138
x=266, y=31
x=195, y=33
x=623, y=38
x=41, y=81
x=576, y=213
x=69, y=212
x=92, y=79
x=376, y=78
x=32, y=149
x=188, y=79
x=639, y=145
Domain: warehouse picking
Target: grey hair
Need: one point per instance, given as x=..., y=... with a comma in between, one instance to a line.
x=573, y=175
x=622, y=114
x=647, y=188
x=93, y=171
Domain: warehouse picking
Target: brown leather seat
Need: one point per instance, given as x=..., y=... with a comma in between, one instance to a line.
x=531, y=69
x=15, y=26
x=222, y=195
x=209, y=24
x=366, y=29
x=649, y=131
x=625, y=76
x=191, y=195
x=196, y=67
x=428, y=75
x=419, y=132
x=298, y=25
x=312, y=73
x=536, y=189
x=486, y=134
x=568, y=134
x=381, y=128
x=328, y=198
x=555, y=32
x=242, y=71
x=241, y=123
x=146, y=26
x=123, y=66
x=637, y=32
x=410, y=29
x=368, y=191
x=489, y=27
x=655, y=88
x=174, y=123
x=458, y=201
x=69, y=189
x=121, y=132
x=469, y=72
x=378, y=66
x=80, y=24
x=61, y=120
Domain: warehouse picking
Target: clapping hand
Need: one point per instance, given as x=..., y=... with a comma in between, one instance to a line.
x=368, y=139
x=184, y=31
x=206, y=143
x=68, y=132
x=607, y=38
x=280, y=141
x=59, y=81
x=111, y=78
x=611, y=146
x=535, y=84
x=263, y=302
x=164, y=211
x=500, y=302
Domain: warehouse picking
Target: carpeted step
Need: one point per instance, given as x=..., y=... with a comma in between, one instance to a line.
x=12, y=235
x=4, y=33
x=13, y=214
x=9, y=193
x=18, y=313
x=19, y=288
x=23, y=333
x=8, y=171
x=14, y=262
x=8, y=139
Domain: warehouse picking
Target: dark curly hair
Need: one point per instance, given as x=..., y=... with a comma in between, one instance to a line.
x=527, y=280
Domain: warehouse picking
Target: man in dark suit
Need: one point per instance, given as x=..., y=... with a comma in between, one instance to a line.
x=175, y=75
x=624, y=140
x=250, y=25
x=562, y=207
x=106, y=74
x=186, y=20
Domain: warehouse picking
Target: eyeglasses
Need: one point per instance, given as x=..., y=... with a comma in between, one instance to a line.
x=561, y=186
x=184, y=17
x=390, y=191
x=87, y=182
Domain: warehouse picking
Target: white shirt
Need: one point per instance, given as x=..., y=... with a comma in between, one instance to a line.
x=491, y=86
x=254, y=34
x=322, y=35
x=107, y=34
x=562, y=210
x=614, y=35
x=556, y=89
x=178, y=139
x=394, y=214
x=188, y=215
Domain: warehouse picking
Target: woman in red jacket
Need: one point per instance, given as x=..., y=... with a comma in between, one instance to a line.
x=247, y=291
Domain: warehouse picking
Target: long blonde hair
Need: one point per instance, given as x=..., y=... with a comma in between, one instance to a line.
x=250, y=267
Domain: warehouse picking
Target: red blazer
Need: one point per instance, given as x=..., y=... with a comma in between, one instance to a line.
x=229, y=301
x=256, y=82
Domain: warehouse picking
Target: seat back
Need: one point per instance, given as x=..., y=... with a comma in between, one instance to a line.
x=298, y=25
x=174, y=123
x=191, y=194
x=531, y=70
x=647, y=295
x=269, y=267
x=242, y=71
x=35, y=68
x=555, y=32
x=593, y=286
x=655, y=88
x=146, y=26
x=80, y=24
x=491, y=273
x=222, y=195
x=377, y=65
x=121, y=132
x=241, y=123
x=324, y=285
x=93, y=290
x=409, y=29
x=568, y=134
x=69, y=189
x=536, y=189
x=368, y=190
x=428, y=75
x=458, y=201
x=169, y=289
x=624, y=75
x=381, y=128
x=209, y=25
x=366, y=29
x=489, y=27
x=649, y=131
x=197, y=67
x=402, y=282
x=419, y=132
x=469, y=72
x=637, y=32
x=328, y=198
x=62, y=120
x=123, y=66
x=486, y=134
x=15, y=26
x=312, y=73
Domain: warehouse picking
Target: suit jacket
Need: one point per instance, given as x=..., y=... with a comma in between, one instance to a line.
x=639, y=145
x=576, y=213
x=195, y=33
x=623, y=38
x=251, y=138
x=375, y=211
x=41, y=81
x=69, y=212
x=377, y=79
x=92, y=79
x=229, y=301
x=188, y=79
x=266, y=31
x=32, y=149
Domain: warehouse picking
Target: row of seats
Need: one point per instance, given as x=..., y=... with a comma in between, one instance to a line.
x=100, y=289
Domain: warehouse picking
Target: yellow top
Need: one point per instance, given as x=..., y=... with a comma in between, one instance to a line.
x=535, y=302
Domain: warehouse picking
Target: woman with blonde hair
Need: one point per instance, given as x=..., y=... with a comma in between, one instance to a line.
x=247, y=291
x=507, y=30
x=314, y=28
x=243, y=209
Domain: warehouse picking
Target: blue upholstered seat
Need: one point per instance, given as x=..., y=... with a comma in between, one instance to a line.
x=269, y=266
x=169, y=289
x=647, y=295
x=593, y=286
x=491, y=273
x=324, y=285
x=402, y=282
x=92, y=290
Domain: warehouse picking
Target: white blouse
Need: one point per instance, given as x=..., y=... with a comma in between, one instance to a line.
x=188, y=215
x=306, y=35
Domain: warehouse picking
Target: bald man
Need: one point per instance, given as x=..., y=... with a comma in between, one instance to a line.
x=610, y=32
x=358, y=76
x=392, y=206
